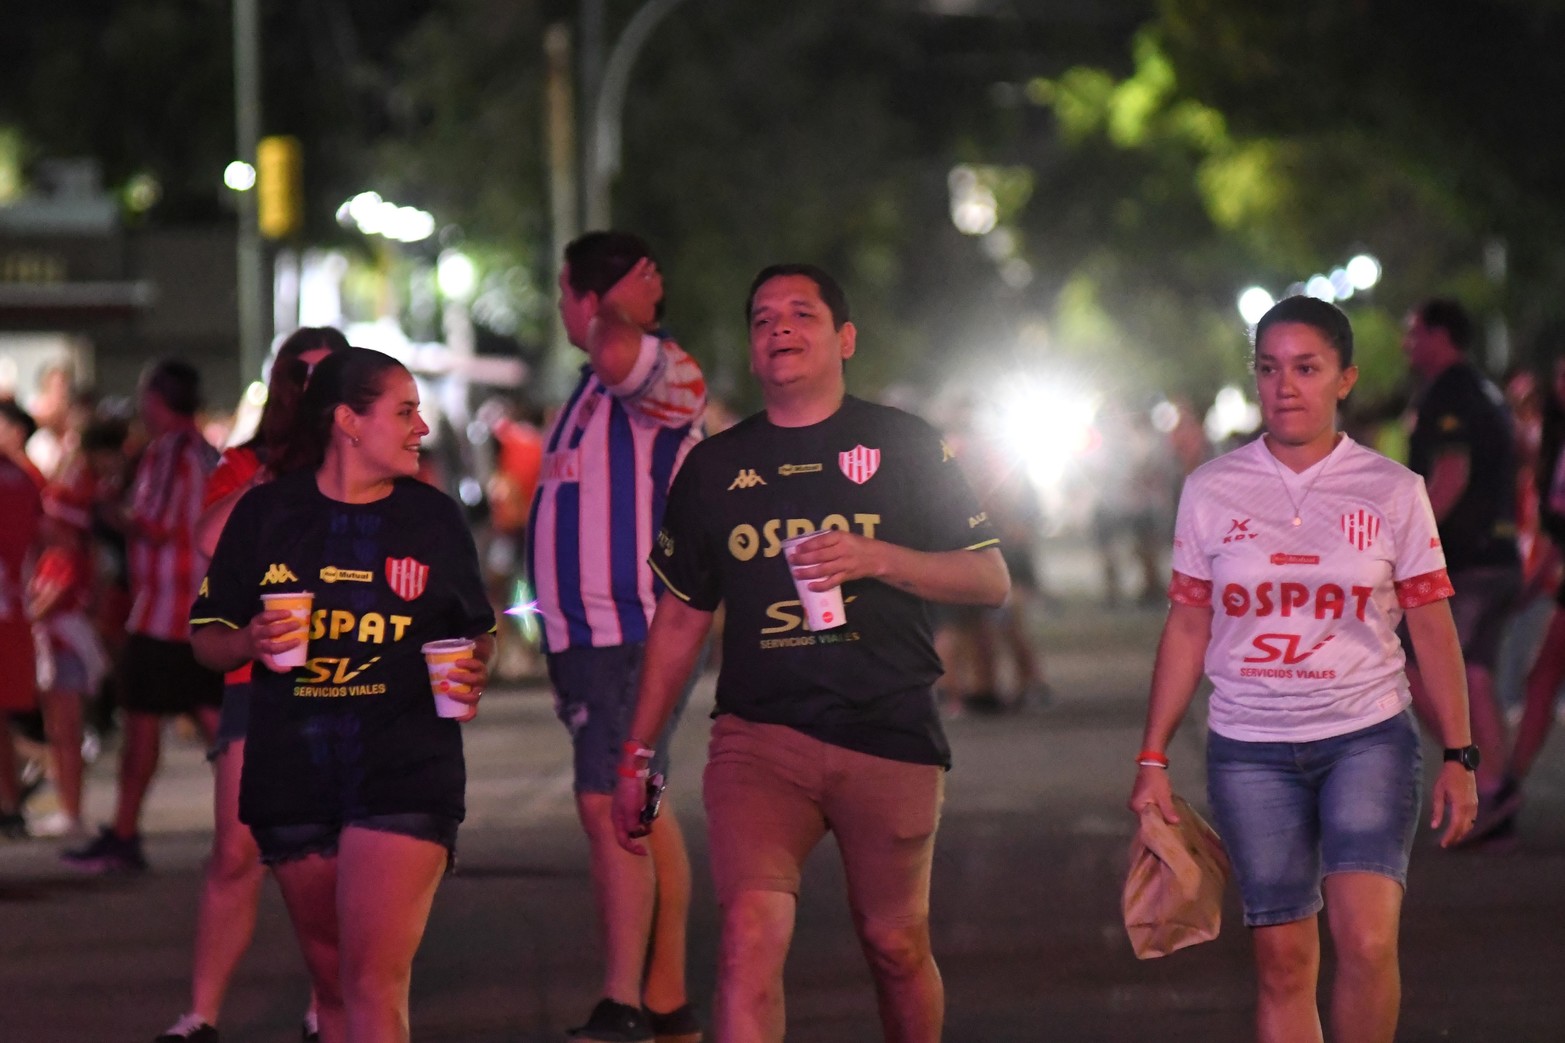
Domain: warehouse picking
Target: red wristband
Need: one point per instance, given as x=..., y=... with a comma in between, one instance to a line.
x=626, y=772
x=633, y=748
x=1152, y=759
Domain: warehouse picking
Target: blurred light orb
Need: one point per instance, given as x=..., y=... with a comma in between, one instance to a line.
x=1016, y=273
x=142, y=192
x=456, y=275
x=1320, y=288
x=255, y=394
x=1231, y=414
x=1341, y=284
x=1363, y=271
x=470, y=491
x=977, y=214
x=239, y=176
x=372, y=215
x=1046, y=427
x=1254, y=303
x=1165, y=417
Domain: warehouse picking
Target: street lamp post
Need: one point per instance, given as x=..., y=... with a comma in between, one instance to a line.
x=603, y=157
x=250, y=251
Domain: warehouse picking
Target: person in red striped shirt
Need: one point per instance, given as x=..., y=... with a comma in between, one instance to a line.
x=159, y=676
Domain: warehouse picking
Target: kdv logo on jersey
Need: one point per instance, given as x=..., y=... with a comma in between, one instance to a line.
x=276, y=574
x=746, y=479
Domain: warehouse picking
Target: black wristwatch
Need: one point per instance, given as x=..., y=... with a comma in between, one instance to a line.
x=1466, y=756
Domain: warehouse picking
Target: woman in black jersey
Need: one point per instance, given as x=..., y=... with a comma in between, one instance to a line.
x=352, y=785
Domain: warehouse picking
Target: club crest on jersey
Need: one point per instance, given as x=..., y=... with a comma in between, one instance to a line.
x=1361, y=527
x=859, y=463
x=407, y=577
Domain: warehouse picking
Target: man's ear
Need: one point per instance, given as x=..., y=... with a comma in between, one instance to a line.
x=847, y=340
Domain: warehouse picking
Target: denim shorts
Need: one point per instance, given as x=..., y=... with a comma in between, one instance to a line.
x=292, y=842
x=233, y=719
x=1291, y=813
x=595, y=698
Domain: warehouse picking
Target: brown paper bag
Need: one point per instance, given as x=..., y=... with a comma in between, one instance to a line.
x=1173, y=894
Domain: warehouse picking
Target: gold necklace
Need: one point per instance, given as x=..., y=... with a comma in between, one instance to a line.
x=1299, y=503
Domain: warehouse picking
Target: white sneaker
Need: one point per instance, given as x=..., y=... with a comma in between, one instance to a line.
x=58, y=824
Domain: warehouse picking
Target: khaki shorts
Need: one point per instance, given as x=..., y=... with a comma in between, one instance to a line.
x=772, y=793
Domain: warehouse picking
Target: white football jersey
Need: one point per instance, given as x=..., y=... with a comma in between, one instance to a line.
x=1304, y=616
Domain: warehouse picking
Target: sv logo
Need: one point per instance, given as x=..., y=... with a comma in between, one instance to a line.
x=1282, y=647
x=326, y=670
x=789, y=615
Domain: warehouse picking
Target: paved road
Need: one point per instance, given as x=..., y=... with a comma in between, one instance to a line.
x=1026, y=926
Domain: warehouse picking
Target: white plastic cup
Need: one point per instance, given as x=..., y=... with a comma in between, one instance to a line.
x=440, y=656
x=822, y=608
x=297, y=603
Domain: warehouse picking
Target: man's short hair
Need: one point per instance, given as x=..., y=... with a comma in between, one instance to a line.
x=177, y=383
x=1322, y=316
x=598, y=260
x=831, y=291
x=1443, y=313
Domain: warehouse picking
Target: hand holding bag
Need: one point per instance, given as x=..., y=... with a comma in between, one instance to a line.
x=1173, y=895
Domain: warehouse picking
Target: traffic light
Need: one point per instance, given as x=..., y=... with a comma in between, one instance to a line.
x=279, y=185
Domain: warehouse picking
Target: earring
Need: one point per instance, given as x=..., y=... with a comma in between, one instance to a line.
x=353, y=442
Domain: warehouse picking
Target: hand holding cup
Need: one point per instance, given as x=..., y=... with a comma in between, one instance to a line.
x=456, y=676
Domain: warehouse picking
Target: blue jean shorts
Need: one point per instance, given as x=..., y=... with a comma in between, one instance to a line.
x=1291, y=813
x=292, y=842
x=595, y=698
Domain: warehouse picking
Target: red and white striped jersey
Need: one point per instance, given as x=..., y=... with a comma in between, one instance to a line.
x=165, y=503
x=1304, y=616
x=608, y=462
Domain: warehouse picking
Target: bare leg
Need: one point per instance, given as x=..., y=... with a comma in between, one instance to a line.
x=225, y=920
x=665, y=986
x=908, y=988
x=309, y=887
x=1287, y=964
x=624, y=886
x=139, y=751
x=757, y=930
x=386, y=884
x=1543, y=685
x=1364, y=913
x=62, y=719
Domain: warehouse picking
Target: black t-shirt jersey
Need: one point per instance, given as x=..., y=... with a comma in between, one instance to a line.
x=869, y=469
x=354, y=731
x=1463, y=412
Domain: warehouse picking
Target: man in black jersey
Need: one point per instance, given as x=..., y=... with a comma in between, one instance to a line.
x=1462, y=445
x=832, y=730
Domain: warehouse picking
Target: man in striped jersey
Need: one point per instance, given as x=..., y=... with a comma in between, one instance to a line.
x=159, y=675
x=608, y=461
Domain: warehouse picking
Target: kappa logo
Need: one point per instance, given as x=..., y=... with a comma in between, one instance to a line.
x=332, y=574
x=1240, y=531
x=977, y=519
x=276, y=574
x=746, y=479
x=788, y=470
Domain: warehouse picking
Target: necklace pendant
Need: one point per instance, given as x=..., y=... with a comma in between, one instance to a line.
x=1297, y=521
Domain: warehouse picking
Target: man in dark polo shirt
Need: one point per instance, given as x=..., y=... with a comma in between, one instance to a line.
x=1462, y=446
x=834, y=730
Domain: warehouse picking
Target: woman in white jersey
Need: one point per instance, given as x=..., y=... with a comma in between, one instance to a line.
x=1295, y=557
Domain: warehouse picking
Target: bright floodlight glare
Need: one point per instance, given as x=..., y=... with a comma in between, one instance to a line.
x=1253, y=303
x=456, y=275
x=1320, y=288
x=1363, y=271
x=239, y=176
x=1045, y=427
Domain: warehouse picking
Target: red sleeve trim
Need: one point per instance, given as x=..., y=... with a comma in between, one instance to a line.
x=1187, y=590
x=1421, y=590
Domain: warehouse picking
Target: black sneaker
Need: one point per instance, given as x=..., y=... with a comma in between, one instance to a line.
x=189, y=1029
x=614, y=1023
x=107, y=853
x=677, y=1026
